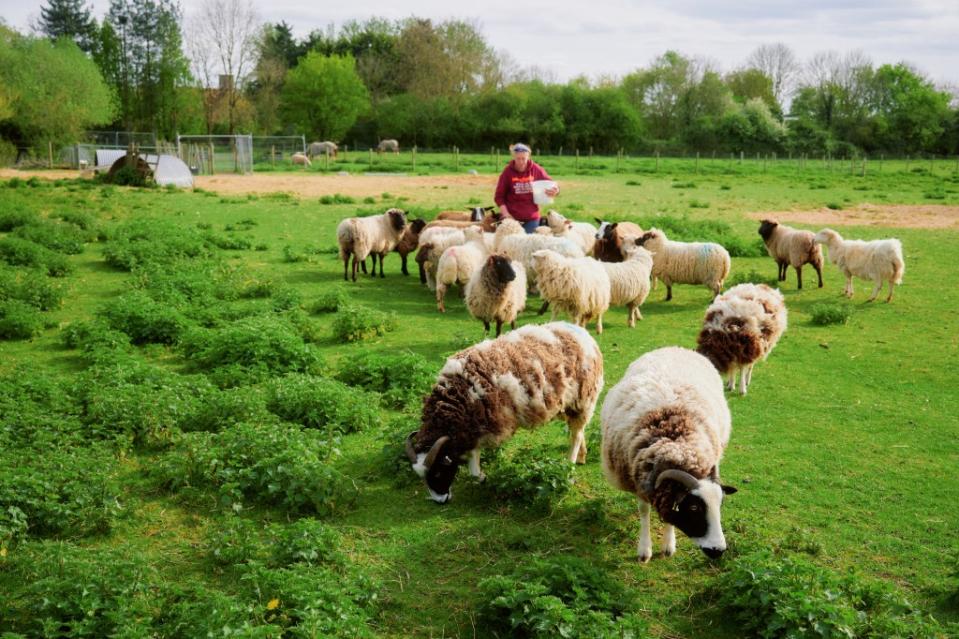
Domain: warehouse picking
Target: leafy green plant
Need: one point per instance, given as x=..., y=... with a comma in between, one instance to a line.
x=357, y=323
x=286, y=298
x=402, y=378
x=751, y=277
x=19, y=320
x=531, y=477
x=143, y=319
x=330, y=301
x=11, y=218
x=20, y=252
x=317, y=402
x=152, y=241
x=828, y=313
x=62, y=238
x=31, y=287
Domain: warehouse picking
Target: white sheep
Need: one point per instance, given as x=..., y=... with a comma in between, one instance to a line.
x=877, y=260
x=497, y=292
x=742, y=326
x=791, y=247
x=485, y=393
x=629, y=281
x=388, y=145
x=665, y=427
x=458, y=263
x=376, y=235
x=686, y=262
x=582, y=233
x=579, y=286
x=511, y=240
x=301, y=159
x=433, y=241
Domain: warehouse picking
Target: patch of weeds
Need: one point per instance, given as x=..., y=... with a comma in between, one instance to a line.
x=725, y=187
x=336, y=198
x=633, y=183
x=684, y=185
x=143, y=319
x=30, y=287
x=261, y=247
x=94, y=338
x=698, y=204
x=317, y=402
x=532, y=477
x=357, y=323
x=403, y=379
x=835, y=206
x=752, y=277
x=153, y=242
x=19, y=320
x=230, y=242
x=20, y=252
x=286, y=298
x=58, y=237
x=329, y=301
x=828, y=313
x=13, y=218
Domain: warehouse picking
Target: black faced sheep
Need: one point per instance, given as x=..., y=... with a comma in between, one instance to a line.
x=364, y=236
x=791, y=247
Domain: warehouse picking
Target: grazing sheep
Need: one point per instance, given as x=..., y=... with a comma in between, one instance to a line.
x=789, y=246
x=497, y=292
x=364, y=236
x=665, y=427
x=583, y=233
x=579, y=286
x=742, y=326
x=512, y=240
x=485, y=393
x=432, y=245
x=611, y=237
x=409, y=241
x=686, y=262
x=388, y=145
x=300, y=158
x=475, y=214
x=877, y=260
x=458, y=263
x=629, y=281
x=322, y=148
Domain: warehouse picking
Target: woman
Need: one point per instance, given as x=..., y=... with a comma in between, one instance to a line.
x=514, y=191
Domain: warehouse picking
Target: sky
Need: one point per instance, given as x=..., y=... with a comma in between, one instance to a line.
x=613, y=37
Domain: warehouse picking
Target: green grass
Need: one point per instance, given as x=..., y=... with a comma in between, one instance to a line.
x=844, y=451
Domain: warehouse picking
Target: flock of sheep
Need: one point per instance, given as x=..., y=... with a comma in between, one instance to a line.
x=330, y=149
x=666, y=423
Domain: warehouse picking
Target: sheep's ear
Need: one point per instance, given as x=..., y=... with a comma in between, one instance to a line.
x=728, y=490
x=598, y=221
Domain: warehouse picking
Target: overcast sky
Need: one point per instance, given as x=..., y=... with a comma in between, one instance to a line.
x=613, y=37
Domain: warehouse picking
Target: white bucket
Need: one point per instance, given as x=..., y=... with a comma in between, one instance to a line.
x=539, y=191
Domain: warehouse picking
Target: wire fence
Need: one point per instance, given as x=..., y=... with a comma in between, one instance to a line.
x=209, y=154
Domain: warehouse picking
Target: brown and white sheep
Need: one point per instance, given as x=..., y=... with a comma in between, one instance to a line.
x=791, y=247
x=611, y=238
x=376, y=235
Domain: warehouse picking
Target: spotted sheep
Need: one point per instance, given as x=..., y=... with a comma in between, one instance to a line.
x=485, y=393
x=665, y=427
x=611, y=238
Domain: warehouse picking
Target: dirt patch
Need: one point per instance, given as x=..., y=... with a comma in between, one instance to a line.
x=913, y=216
x=44, y=174
x=358, y=186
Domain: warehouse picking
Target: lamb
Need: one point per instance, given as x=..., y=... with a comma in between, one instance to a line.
x=322, y=148
x=300, y=158
x=789, y=246
x=409, y=241
x=665, y=427
x=742, y=326
x=583, y=233
x=579, y=286
x=458, y=263
x=485, y=393
x=364, y=236
x=629, y=281
x=686, y=262
x=497, y=292
x=611, y=237
x=876, y=260
x=432, y=245
x=388, y=145
x=512, y=241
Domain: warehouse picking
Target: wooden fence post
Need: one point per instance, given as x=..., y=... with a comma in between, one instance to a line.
x=414, y=157
x=577, y=158
x=371, y=157
x=657, y=160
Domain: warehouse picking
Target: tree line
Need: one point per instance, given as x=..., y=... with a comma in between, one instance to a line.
x=437, y=84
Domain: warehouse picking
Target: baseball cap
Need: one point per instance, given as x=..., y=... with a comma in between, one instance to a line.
x=520, y=148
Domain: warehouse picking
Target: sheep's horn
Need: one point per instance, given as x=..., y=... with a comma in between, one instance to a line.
x=410, y=451
x=434, y=451
x=681, y=476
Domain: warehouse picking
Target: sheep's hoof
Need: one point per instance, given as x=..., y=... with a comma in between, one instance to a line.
x=644, y=557
x=669, y=552
x=480, y=478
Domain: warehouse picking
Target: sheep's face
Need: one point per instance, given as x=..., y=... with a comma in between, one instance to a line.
x=476, y=214
x=650, y=240
x=438, y=467
x=766, y=228
x=502, y=268
x=397, y=219
x=696, y=513
x=416, y=226
x=606, y=230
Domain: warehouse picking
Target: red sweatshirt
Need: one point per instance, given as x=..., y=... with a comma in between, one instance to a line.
x=515, y=190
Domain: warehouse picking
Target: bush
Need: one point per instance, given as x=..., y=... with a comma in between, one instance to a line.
x=317, y=402
x=217, y=409
x=336, y=198
x=558, y=597
x=403, y=379
x=356, y=323
x=229, y=242
x=752, y=277
x=94, y=337
x=13, y=218
x=307, y=541
x=143, y=319
x=270, y=463
x=286, y=298
x=30, y=287
x=789, y=596
x=153, y=242
x=19, y=320
x=62, y=238
x=330, y=301
x=531, y=477
x=827, y=313
x=19, y=252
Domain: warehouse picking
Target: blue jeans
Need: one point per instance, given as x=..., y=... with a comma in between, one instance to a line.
x=530, y=226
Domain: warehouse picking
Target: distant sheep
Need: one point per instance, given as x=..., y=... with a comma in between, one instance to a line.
x=497, y=292
x=365, y=236
x=611, y=237
x=791, y=247
x=665, y=427
x=877, y=260
x=300, y=159
x=388, y=145
x=686, y=262
x=458, y=263
x=583, y=233
x=742, y=326
x=322, y=148
x=629, y=281
x=579, y=286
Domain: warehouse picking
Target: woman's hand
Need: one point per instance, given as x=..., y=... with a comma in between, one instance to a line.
x=552, y=191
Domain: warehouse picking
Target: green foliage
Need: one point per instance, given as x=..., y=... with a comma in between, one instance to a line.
x=828, y=313
x=308, y=542
x=271, y=463
x=336, y=198
x=316, y=402
x=286, y=299
x=146, y=242
x=94, y=338
x=13, y=218
x=143, y=319
x=330, y=301
x=751, y=277
x=30, y=287
x=19, y=320
x=533, y=477
x=324, y=95
x=557, y=597
x=357, y=323
x=402, y=378
x=19, y=252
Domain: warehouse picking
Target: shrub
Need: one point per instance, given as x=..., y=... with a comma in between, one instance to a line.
x=62, y=238
x=531, y=477
x=229, y=242
x=13, y=218
x=835, y=206
x=317, y=402
x=403, y=378
x=152, y=241
x=827, y=313
x=286, y=298
x=216, y=409
x=752, y=277
x=336, y=198
x=19, y=320
x=271, y=463
x=93, y=337
x=30, y=287
x=307, y=541
x=143, y=319
x=20, y=252
x=557, y=597
x=357, y=323
x=330, y=301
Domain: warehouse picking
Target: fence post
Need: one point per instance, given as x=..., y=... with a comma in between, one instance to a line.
x=456, y=158
x=414, y=157
x=697, y=162
x=865, y=159
x=657, y=160
x=765, y=159
x=577, y=158
x=273, y=155
x=371, y=157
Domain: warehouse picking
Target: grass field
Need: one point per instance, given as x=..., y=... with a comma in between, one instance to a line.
x=152, y=490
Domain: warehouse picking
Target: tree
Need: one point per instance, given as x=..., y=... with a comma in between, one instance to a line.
x=324, y=95
x=747, y=84
x=910, y=112
x=69, y=19
x=779, y=64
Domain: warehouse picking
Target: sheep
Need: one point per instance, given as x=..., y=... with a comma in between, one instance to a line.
x=512, y=240
x=629, y=281
x=485, y=393
x=497, y=292
x=876, y=260
x=611, y=237
x=579, y=286
x=374, y=235
x=488, y=223
x=458, y=263
x=475, y=214
x=432, y=245
x=742, y=326
x=300, y=158
x=409, y=241
x=388, y=145
x=789, y=246
x=322, y=148
x=686, y=262
x=665, y=427
x=583, y=233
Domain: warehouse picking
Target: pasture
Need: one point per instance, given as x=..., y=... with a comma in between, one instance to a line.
x=170, y=468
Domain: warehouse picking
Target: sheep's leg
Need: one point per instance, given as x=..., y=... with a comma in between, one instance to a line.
x=818, y=273
x=875, y=291
x=440, y=295
x=382, y=257
x=422, y=273
x=499, y=327
x=731, y=381
x=512, y=325
x=669, y=290
x=669, y=541
x=631, y=315
x=354, y=267
x=749, y=375
x=363, y=266
x=743, y=379
x=346, y=266
x=780, y=270
x=599, y=324
x=553, y=315
x=799, y=277
x=892, y=287
x=485, y=327
x=645, y=543
x=403, y=265
x=849, y=288
x=543, y=308
x=474, y=465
